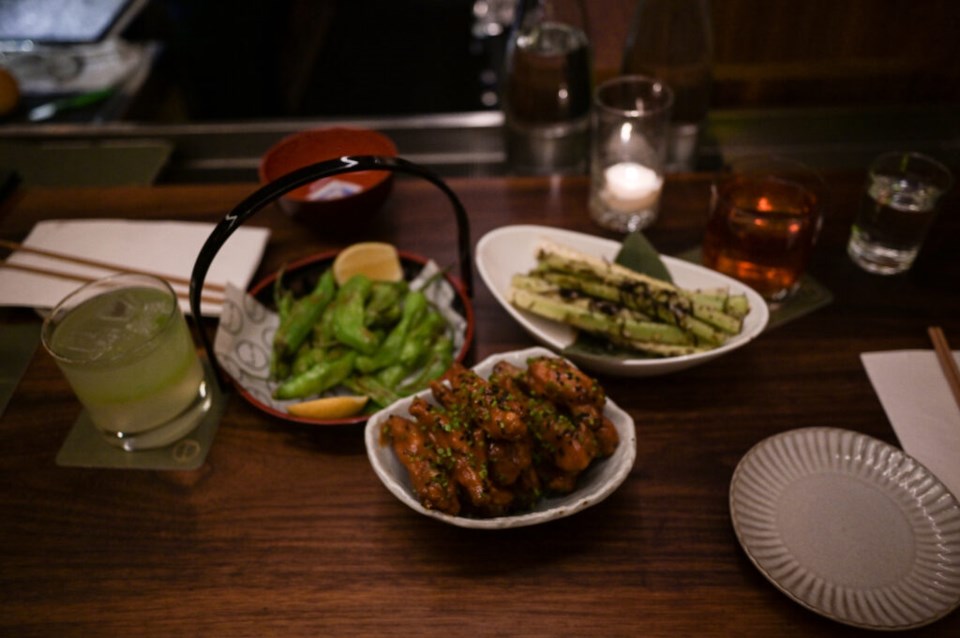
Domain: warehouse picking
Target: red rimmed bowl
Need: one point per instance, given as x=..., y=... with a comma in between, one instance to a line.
x=341, y=202
x=269, y=193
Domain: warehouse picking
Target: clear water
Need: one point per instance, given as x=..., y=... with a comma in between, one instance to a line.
x=547, y=96
x=894, y=218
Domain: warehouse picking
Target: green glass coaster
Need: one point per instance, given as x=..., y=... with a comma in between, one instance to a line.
x=85, y=446
x=810, y=296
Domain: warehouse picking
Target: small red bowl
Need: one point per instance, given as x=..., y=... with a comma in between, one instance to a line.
x=334, y=203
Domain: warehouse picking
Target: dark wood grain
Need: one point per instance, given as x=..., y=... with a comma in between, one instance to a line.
x=286, y=530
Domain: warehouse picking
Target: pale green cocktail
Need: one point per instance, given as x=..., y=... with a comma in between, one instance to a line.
x=125, y=348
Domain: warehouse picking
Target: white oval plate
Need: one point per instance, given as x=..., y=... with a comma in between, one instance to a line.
x=510, y=250
x=850, y=527
x=594, y=485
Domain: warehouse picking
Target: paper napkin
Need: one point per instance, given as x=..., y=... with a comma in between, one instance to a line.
x=914, y=393
x=167, y=247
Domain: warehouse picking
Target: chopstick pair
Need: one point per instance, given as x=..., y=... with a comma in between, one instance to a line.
x=947, y=362
x=172, y=279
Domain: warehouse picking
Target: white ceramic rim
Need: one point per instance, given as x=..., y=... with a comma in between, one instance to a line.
x=596, y=484
x=496, y=270
x=927, y=592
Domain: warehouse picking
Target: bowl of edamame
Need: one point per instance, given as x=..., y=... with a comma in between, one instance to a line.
x=302, y=346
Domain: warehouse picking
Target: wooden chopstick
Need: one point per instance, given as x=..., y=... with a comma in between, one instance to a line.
x=214, y=299
x=10, y=245
x=947, y=362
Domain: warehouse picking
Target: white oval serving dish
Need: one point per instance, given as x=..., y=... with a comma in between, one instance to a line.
x=506, y=251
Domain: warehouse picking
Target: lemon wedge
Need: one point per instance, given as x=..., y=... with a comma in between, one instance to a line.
x=377, y=260
x=338, y=407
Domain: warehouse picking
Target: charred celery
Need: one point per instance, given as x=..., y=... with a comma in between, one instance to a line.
x=629, y=308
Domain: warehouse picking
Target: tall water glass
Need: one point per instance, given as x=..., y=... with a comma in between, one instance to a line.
x=897, y=209
x=672, y=40
x=125, y=348
x=547, y=88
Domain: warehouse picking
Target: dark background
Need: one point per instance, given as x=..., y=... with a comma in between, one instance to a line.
x=276, y=58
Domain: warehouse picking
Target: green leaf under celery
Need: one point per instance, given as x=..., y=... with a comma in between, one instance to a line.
x=637, y=253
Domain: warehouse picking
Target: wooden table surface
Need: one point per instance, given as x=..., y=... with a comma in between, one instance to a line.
x=286, y=530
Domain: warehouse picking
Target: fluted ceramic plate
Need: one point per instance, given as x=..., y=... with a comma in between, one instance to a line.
x=509, y=250
x=850, y=527
x=598, y=482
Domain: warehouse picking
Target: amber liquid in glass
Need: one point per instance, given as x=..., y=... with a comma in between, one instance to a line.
x=761, y=232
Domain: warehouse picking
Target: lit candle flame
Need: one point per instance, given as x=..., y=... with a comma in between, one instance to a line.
x=764, y=206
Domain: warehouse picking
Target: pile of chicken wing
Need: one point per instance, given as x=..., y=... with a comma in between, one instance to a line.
x=492, y=447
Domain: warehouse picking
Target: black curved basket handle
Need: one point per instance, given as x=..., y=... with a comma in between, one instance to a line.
x=275, y=189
